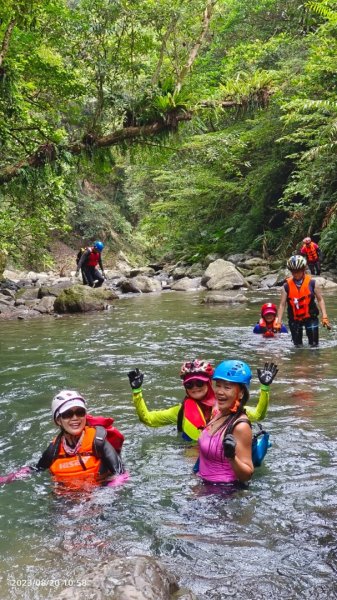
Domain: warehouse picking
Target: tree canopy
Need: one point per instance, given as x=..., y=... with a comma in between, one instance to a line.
x=186, y=126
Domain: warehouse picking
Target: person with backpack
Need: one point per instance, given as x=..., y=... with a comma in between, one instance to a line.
x=81, y=451
x=91, y=257
x=192, y=415
x=225, y=445
x=300, y=293
x=312, y=253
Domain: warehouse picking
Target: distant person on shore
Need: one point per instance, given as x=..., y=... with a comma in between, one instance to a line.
x=91, y=257
x=311, y=251
x=300, y=293
x=266, y=325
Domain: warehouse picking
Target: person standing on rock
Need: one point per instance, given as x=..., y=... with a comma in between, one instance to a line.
x=311, y=251
x=300, y=293
x=88, y=262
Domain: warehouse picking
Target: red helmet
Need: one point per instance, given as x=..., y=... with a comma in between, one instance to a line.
x=307, y=240
x=268, y=308
x=196, y=369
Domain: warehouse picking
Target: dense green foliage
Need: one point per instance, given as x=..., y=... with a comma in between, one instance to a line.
x=188, y=126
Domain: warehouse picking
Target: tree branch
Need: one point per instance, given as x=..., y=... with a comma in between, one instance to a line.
x=194, y=52
x=170, y=29
x=6, y=40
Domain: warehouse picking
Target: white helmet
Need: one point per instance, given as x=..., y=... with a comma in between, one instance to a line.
x=296, y=263
x=66, y=399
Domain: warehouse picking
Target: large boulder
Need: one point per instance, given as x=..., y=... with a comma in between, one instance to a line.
x=324, y=283
x=53, y=289
x=140, y=284
x=81, y=298
x=127, y=578
x=142, y=271
x=186, y=284
x=224, y=298
x=222, y=275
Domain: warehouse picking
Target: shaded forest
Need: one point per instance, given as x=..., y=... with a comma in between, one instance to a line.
x=178, y=127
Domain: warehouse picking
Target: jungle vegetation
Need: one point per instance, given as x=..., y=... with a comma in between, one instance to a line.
x=179, y=127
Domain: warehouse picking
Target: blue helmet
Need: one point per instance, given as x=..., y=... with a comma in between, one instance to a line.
x=234, y=371
x=99, y=246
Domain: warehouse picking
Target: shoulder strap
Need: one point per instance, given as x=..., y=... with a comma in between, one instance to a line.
x=50, y=454
x=234, y=423
x=99, y=440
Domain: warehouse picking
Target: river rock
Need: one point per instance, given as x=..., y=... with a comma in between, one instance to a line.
x=30, y=293
x=210, y=258
x=195, y=270
x=224, y=298
x=269, y=281
x=46, y=305
x=222, y=274
x=127, y=578
x=324, y=283
x=179, y=271
x=237, y=258
x=186, y=284
x=81, y=298
x=142, y=284
x=142, y=271
x=53, y=289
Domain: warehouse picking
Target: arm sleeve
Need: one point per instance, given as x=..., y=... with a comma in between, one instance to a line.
x=111, y=460
x=257, y=328
x=155, y=418
x=259, y=412
x=283, y=329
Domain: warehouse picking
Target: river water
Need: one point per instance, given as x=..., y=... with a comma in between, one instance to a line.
x=275, y=539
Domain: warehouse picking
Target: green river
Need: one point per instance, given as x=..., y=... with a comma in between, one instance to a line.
x=276, y=539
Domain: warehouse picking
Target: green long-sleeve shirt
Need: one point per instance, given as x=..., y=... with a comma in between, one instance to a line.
x=169, y=416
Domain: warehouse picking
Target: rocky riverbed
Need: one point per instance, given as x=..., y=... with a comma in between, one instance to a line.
x=29, y=294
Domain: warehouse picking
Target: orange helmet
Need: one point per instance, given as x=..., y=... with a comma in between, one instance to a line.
x=268, y=308
x=307, y=240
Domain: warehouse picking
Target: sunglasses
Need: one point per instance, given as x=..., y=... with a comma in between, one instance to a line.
x=78, y=412
x=194, y=383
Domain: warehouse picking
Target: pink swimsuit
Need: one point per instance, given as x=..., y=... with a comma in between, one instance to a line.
x=214, y=466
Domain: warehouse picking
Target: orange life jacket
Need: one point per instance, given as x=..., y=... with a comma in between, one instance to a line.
x=266, y=326
x=311, y=252
x=82, y=464
x=301, y=300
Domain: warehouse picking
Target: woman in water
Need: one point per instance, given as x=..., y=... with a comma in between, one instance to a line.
x=225, y=445
x=192, y=415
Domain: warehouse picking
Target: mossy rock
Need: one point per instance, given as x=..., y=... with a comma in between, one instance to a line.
x=80, y=298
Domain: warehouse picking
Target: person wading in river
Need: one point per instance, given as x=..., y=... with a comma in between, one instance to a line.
x=192, y=415
x=299, y=293
x=266, y=323
x=312, y=253
x=225, y=445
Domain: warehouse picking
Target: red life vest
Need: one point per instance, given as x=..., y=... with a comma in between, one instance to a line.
x=311, y=251
x=83, y=464
x=300, y=299
x=113, y=436
x=93, y=258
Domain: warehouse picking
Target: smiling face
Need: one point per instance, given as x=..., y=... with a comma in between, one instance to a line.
x=196, y=389
x=73, y=420
x=227, y=394
x=269, y=317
